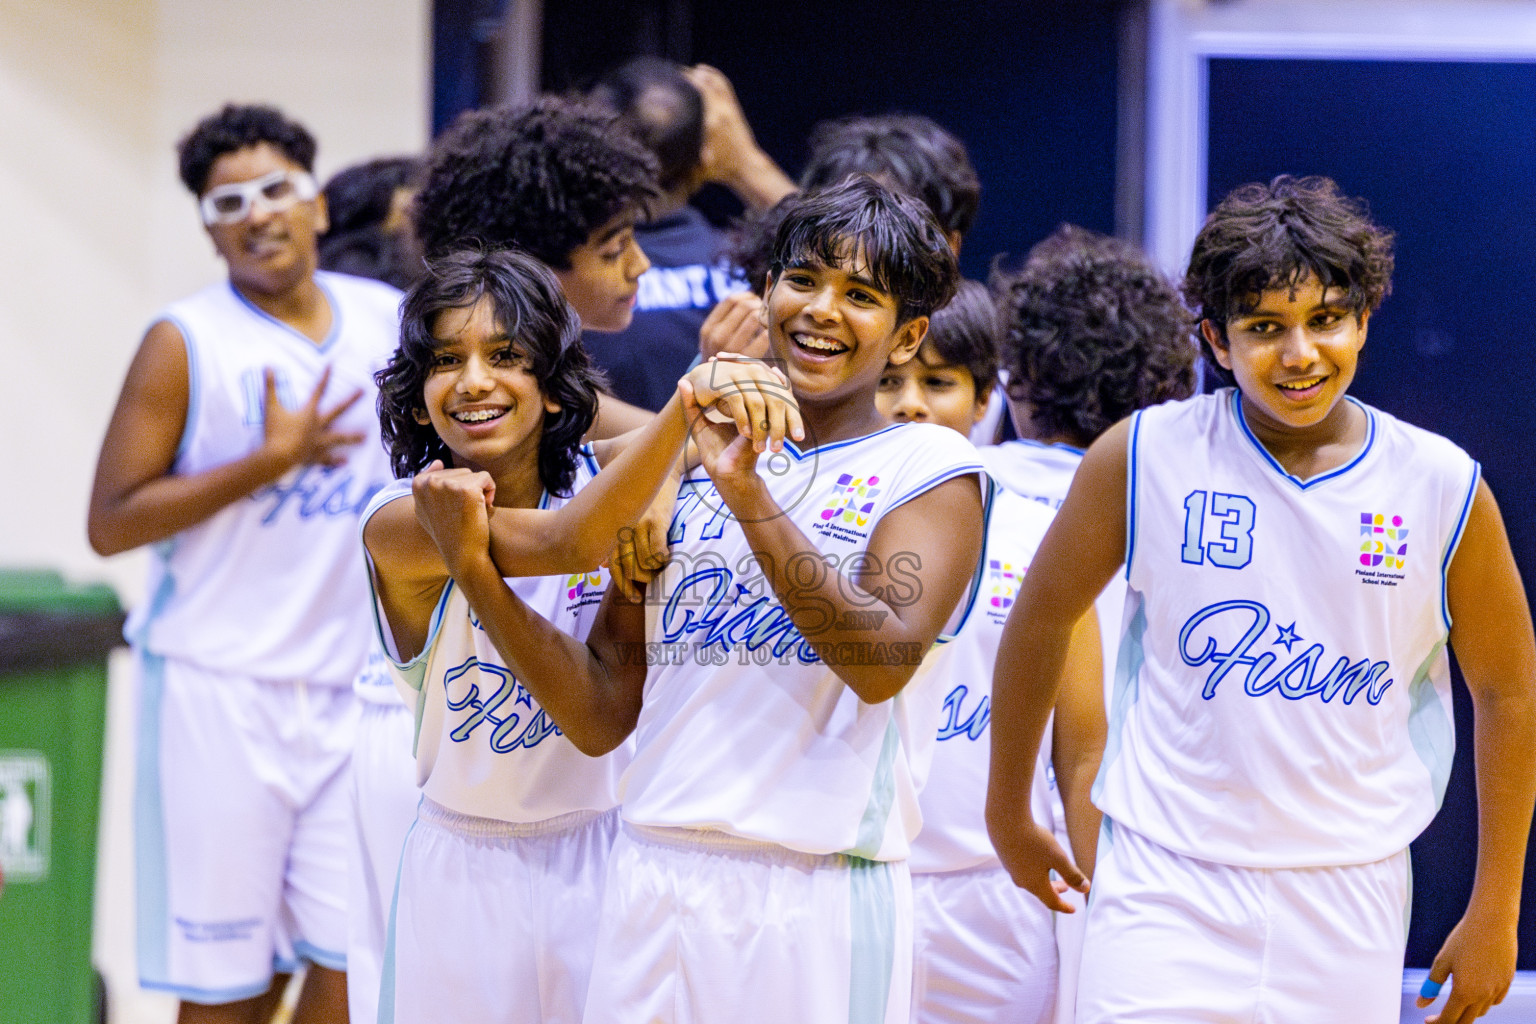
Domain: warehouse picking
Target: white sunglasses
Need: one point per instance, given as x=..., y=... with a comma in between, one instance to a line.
x=276, y=192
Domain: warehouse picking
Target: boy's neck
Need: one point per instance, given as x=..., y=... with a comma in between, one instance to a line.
x=303, y=307
x=519, y=485
x=1314, y=450
x=841, y=420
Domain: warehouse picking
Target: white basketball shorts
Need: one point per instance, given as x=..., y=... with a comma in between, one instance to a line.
x=700, y=927
x=241, y=818
x=495, y=922
x=985, y=950
x=384, y=799
x=1175, y=939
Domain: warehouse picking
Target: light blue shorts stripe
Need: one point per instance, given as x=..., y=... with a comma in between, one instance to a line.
x=387, y=970
x=872, y=904
x=149, y=833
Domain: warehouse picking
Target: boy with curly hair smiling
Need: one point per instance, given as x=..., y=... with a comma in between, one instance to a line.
x=561, y=180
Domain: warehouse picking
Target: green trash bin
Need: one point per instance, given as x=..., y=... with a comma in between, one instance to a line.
x=54, y=640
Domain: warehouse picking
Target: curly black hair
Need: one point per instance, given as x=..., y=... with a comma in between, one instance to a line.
x=533, y=311
x=906, y=254
x=906, y=151
x=1091, y=331
x=234, y=128
x=963, y=332
x=1262, y=237
x=541, y=177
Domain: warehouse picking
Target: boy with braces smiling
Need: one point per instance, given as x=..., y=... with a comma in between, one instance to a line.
x=760, y=873
x=1297, y=563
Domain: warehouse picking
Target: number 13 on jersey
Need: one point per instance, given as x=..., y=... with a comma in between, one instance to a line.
x=1231, y=523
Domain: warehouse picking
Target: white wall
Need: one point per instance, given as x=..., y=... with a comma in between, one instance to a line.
x=99, y=233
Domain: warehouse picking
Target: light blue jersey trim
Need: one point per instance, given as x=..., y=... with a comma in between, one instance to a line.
x=387, y=968
x=330, y=336
x=1453, y=542
x=1430, y=728
x=882, y=796
x=872, y=931
x=942, y=476
x=414, y=670
x=324, y=957
x=591, y=458
x=801, y=454
x=1133, y=476
x=1322, y=478
x=988, y=498
x=1128, y=664
x=1048, y=445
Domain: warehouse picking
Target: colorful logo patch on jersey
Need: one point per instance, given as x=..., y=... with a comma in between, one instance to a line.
x=1383, y=541
x=580, y=583
x=1002, y=582
x=852, y=501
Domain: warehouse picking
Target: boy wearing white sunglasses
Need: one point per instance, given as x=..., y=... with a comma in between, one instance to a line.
x=243, y=448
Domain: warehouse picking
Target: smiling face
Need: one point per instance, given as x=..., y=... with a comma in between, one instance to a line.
x=272, y=250
x=927, y=389
x=1293, y=356
x=481, y=395
x=834, y=331
x=604, y=275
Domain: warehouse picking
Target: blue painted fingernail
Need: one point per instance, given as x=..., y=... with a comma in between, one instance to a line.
x=1430, y=989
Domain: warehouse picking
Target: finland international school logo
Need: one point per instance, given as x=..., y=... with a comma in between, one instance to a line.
x=1383, y=542
x=582, y=589
x=850, y=506
x=580, y=583
x=1003, y=580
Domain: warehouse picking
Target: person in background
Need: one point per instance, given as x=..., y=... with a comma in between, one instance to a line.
x=665, y=111
x=370, y=233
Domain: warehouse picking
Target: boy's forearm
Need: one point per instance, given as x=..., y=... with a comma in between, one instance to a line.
x=563, y=674
x=1074, y=780
x=166, y=505
x=1024, y=686
x=582, y=532
x=758, y=181
x=836, y=616
x=1504, y=738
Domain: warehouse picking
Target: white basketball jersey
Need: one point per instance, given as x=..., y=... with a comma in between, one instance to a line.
x=1283, y=697
x=1043, y=473
x=1033, y=469
x=272, y=585
x=483, y=745
x=953, y=800
x=744, y=728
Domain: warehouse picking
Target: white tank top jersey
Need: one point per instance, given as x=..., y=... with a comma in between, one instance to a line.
x=953, y=800
x=1033, y=469
x=1043, y=473
x=1283, y=699
x=744, y=729
x=272, y=586
x=483, y=745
